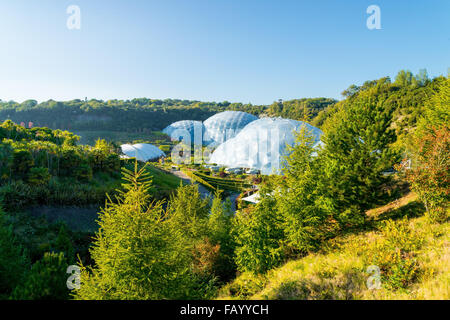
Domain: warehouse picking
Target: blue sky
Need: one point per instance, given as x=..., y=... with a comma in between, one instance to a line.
x=253, y=51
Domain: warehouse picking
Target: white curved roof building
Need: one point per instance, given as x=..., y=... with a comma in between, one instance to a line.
x=261, y=145
x=142, y=152
x=225, y=125
x=186, y=128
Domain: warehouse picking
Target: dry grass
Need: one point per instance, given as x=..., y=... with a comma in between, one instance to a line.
x=340, y=272
x=394, y=205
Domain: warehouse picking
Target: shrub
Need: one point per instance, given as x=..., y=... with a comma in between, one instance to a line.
x=395, y=254
x=430, y=178
x=38, y=176
x=16, y=195
x=205, y=256
x=246, y=285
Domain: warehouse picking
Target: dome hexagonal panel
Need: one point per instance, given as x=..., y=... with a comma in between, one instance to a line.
x=181, y=129
x=225, y=125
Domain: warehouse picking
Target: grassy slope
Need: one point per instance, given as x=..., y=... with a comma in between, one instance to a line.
x=165, y=183
x=339, y=271
x=89, y=137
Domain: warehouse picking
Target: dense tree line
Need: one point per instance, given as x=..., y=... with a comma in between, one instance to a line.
x=407, y=96
x=300, y=109
x=142, y=115
x=137, y=115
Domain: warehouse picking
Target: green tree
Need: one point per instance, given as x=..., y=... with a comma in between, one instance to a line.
x=404, y=78
x=219, y=228
x=259, y=235
x=437, y=112
x=63, y=244
x=22, y=163
x=136, y=252
x=357, y=152
x=302, y=202
x=189, y=212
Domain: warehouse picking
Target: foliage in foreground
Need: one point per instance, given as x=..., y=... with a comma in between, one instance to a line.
x=13, y=261
x=413, y=257
x=143, y=251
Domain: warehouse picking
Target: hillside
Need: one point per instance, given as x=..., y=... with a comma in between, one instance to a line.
x=370, y=204
x=139, y=117
x=339, y=271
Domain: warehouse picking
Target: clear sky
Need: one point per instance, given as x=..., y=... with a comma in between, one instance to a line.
x=253, y=51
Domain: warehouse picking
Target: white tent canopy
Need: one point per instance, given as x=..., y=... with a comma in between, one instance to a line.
x=254, y=198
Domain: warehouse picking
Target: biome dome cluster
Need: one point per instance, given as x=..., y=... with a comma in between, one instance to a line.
x=244, y=141
x=262, y=144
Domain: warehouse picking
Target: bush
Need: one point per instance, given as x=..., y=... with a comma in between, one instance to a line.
x=395, y=254
x=246, y=285
x=16, y=195
x=430, y=178
x=38, y=176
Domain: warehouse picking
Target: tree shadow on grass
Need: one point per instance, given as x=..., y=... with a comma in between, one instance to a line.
x=413, y=209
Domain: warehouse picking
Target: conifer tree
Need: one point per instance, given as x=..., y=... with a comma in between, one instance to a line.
x=219, y=228
x=302, y=202
x=188, y=212
x=357, y=151
x=259, y=235
x=137, y=254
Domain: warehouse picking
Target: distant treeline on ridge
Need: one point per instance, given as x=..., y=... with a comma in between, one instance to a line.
x=141, y=115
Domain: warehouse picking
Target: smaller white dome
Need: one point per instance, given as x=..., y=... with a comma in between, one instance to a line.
x=142, y=152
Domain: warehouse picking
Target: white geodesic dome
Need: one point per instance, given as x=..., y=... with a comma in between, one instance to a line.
x=142, y=151
x=225, y=125
x=186, y=128
x=262, y=144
